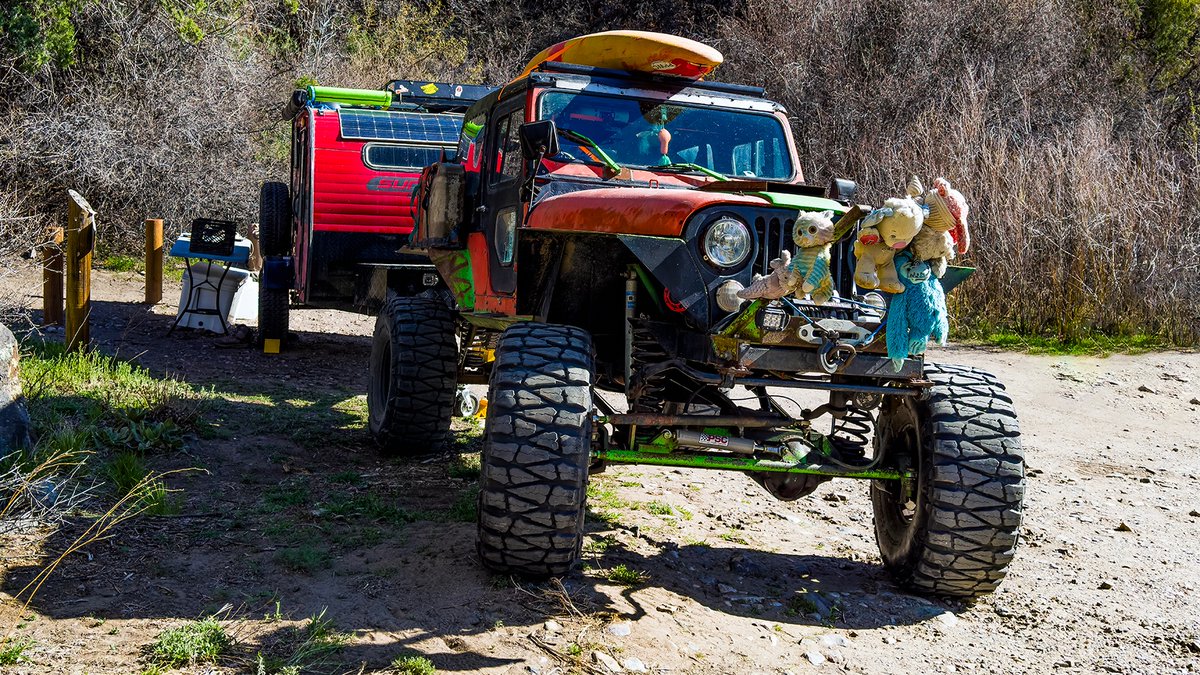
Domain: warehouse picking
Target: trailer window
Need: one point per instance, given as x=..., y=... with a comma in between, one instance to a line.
x=386, y=157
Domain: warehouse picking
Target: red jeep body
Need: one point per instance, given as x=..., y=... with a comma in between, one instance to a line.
x=353, y=171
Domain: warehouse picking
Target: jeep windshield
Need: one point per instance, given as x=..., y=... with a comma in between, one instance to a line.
x=642, y=133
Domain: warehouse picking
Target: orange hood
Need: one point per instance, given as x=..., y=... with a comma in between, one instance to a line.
x=628, y=210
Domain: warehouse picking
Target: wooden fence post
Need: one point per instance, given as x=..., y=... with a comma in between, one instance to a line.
x=154, y=260
x=81, y=240
x=52, y=278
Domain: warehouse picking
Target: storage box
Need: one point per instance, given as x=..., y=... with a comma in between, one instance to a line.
x=206, y=296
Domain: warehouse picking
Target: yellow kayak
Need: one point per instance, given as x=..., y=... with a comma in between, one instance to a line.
x=633, y=50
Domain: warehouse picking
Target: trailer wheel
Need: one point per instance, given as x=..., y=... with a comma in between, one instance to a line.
x=274, y=219
x=275, y=239
x=536, y=450
x=414, y=363
x=954, y=531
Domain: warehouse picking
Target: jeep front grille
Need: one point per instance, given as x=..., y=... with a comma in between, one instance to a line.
x=774, y=234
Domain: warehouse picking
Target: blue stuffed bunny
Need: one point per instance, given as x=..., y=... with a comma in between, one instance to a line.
x=917, y=314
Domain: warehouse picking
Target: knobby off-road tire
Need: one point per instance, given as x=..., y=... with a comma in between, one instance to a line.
x=274, y=219
x=274, y=239
x=414, y=364
x=959, y=535
x=537, y=445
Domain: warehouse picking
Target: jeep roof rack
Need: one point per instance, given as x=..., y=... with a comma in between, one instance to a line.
x=592, y=71
x=435, y=96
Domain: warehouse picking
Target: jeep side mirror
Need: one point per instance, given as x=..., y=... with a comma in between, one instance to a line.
x=538, y=139
x=842, y=189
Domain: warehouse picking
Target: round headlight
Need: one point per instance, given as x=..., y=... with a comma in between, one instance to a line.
x=727, y=242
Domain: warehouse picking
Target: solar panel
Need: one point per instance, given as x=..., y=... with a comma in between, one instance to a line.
x=382, y=125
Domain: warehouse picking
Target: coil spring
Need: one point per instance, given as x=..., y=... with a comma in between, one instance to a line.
x=475, y=354
x=646, y=393
x=851, y=434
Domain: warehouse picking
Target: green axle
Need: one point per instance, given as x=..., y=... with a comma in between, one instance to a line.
x=705, y=460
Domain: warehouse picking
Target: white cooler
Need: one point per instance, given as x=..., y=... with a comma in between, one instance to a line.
x=233, y=294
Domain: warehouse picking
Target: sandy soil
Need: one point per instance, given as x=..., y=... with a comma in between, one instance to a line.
x=1105, y=579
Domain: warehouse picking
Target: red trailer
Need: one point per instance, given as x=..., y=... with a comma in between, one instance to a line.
x=333, y=236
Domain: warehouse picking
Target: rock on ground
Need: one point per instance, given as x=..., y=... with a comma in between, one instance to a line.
x=14, y=418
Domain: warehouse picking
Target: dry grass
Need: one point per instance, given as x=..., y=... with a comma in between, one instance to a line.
x=1075, y=141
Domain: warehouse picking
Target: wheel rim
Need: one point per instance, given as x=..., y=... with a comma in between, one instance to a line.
x=381, y=384
x=899, y=503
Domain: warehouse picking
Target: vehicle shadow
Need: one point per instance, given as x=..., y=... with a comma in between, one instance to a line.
x=293, y=506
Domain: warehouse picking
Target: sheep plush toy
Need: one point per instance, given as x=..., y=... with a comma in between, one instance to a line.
x=805, y=274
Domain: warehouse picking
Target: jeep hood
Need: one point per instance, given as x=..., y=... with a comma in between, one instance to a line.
x=650, y=211
x=628, y=210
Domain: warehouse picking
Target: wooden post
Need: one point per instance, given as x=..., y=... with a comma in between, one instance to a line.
x=52, y=278
x=81, y=240
x=154, y=260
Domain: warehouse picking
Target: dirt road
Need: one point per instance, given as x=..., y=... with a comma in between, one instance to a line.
x=725, y=579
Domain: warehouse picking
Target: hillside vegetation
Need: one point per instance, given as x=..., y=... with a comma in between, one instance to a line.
x=1073, y=127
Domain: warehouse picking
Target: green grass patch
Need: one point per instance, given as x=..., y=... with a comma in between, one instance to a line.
x=626, y=576
x=1082, y=344
x=125, y=471
x=201, y=641
x=306, y=649
x=370, y=505
x=280, y=497
x=734, y=537
x=465, y=506
x=12, y=650
x=800, y=605
x=413, y=664
x=352, y=478
x=465, y=466
x=319, y=422
x=121, y=263
x=305, y=559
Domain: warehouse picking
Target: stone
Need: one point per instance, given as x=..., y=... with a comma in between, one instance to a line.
x=1147, y=389
x=634, y=665
x=622, y=629
x=1194, y=513
x=552, y=626
x=947, y=619
x=1195, y=400
x=1123, y=528
x=608, y=662
x=14, y=417
x=833, y=640
x=726, y=589
x=1105, y=586
x=814, y=657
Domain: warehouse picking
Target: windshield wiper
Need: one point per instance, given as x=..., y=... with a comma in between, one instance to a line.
x=586, y=142
x=689, y=166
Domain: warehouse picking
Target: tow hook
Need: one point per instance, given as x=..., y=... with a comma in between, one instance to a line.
x=835, y=355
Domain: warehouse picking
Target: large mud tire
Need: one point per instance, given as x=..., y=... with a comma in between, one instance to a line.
x=414, y=364
x=537, y=446
x=956, y=532
x=275, y=239
x=274, y=219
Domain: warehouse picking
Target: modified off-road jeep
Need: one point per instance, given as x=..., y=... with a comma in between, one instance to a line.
x=592, y=256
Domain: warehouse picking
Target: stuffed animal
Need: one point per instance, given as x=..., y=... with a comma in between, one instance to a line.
x=773, y=286
x=945, y=227
x=809, y=271
x=805, y=274
x=917, y=314
x=885, y=232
